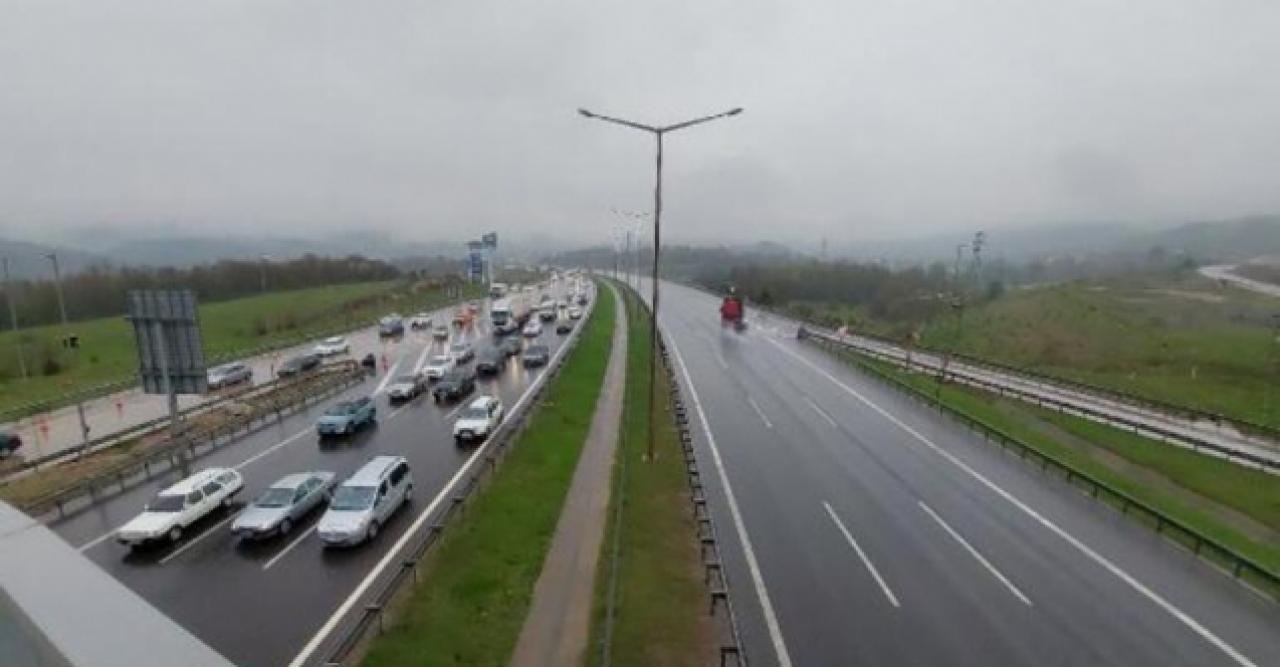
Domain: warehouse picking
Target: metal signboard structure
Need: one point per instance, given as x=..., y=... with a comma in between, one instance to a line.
x=166, y=327
x=475, y=261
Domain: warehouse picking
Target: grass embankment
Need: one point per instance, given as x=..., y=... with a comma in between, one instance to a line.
x=107, y=346
x=660, y=616
x=477, y=585
x=1236, y=506
x=1183, y=340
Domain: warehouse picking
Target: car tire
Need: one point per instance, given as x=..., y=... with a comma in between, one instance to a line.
x=175, y=534
x=226, y=502
x=408, y=493
x=372, y=532
x=285, y=527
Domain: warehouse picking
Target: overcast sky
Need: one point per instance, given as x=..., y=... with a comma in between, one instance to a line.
x=442, y=119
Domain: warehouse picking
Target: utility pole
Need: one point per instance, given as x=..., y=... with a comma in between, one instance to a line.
x=658, y=133
x=74, y=345
x=262, y=273
x=13, y=319
x=1273, y=351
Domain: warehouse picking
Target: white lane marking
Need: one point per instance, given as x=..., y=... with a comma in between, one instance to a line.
x=391, y=372
x=273, y=448
x=974, y=552
x=1101, y=560
x=296, y=541
x=820, y=412
x=195, y=540
x=305, y=654
x=766, y=606
x=875, y=574
x=96, y=541
x=756, y=407
x=422, y=358
x=451, y=413
x=720, y=360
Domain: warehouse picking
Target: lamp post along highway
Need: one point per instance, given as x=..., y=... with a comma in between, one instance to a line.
x=13, y=319
x=74, y=345
x=658, y=133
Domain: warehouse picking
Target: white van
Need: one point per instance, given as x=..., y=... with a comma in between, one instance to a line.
x=363, y=503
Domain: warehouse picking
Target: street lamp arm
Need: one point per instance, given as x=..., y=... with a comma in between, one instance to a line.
x=699, y=121
x=618, y=121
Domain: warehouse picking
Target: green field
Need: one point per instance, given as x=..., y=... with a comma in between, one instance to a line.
x=477, y=585
x=107, y=346
x=661, y=613
x=1237, y=506
x=1184, y=340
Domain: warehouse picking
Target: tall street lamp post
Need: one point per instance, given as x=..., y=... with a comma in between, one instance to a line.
x=658, y=133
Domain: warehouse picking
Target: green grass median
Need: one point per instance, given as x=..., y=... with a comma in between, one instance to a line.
x=660, y=616
x=478, y=583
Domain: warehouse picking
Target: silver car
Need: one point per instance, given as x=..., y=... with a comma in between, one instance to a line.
x=283, y=504
x=363, y=503
x=229, y=374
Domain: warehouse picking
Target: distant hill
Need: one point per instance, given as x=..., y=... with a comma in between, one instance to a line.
x=28, y=261
x=1224, y=241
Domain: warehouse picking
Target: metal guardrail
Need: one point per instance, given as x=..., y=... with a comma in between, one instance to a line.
x=372, y=615
x=1142, y=428
x=1237, y=565
x=180, y=450
x=98, y=391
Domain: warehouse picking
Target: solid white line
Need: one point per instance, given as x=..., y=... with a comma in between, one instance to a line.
x=96, y=541
x=296, y=541
x=422, y=358
x=391, y=372
x=767, y=423
x=451, y=413
x=273, y=448
x=1114, y=569
x=820, y=412
x=766, y=607
x=192, y=542
x=974, y=552
x=305, y=654
x=875, y=574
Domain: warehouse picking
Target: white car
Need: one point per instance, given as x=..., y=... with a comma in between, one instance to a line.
x=420, y=321
x=178, y=506
x=332, y=346
x=575, y=313
x=533, y=329
x=438, y=366
x=479, y=420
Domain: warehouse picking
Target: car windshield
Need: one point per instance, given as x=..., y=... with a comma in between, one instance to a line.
x=166, y=502
x=348, y=498
x=340, y=409
x=475, y=413
x=274, y=497
x=406, y=379
x=439, y=360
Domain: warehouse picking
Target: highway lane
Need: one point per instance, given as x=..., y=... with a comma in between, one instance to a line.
x=259, y=603
x=884, y=533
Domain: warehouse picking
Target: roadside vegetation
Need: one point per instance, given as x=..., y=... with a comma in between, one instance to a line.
x=477, y=585
x=229, y=328
x=1237, y=506
x=659, y=604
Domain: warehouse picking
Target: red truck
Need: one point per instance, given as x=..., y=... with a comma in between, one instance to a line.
x=733, y=312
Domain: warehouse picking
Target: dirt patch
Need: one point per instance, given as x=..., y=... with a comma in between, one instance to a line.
x=1237, y=520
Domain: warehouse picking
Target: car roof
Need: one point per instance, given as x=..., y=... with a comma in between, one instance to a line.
x=195, y=481
x=291, y=481
x=370, y=474
x=482, y=402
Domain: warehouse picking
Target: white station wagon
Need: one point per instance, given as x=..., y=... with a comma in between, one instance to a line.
x=178, y=506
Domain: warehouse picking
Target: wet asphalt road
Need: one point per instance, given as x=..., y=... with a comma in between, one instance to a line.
x=883, y=533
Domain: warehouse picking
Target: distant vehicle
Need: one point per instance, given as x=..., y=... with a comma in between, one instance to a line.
x=497, y=290
x=177, y=507
x=564, y=326
x=733, y=311
x=478, y=420
x=369, y=361
x=536, y=355
x=533, y=329
x=345, y=417
x=510, y=347
x=10, y=442
x=547, y=314
x=453, y=386
x=332, y=346
x=407, y=386
x=575, y=313
x=505, y=329
x=420, y=321
x=298, y=365
x=391, y=325
x=229, y=374
x=365, y=501
x=461, y=316
x=491, y=362
x=440, y=333
x=439, y=365
x=284, y=503
x=582, y=299
x=462, y=352
x=513, y=309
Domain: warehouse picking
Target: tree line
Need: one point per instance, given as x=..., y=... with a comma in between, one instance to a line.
x=100, y=292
